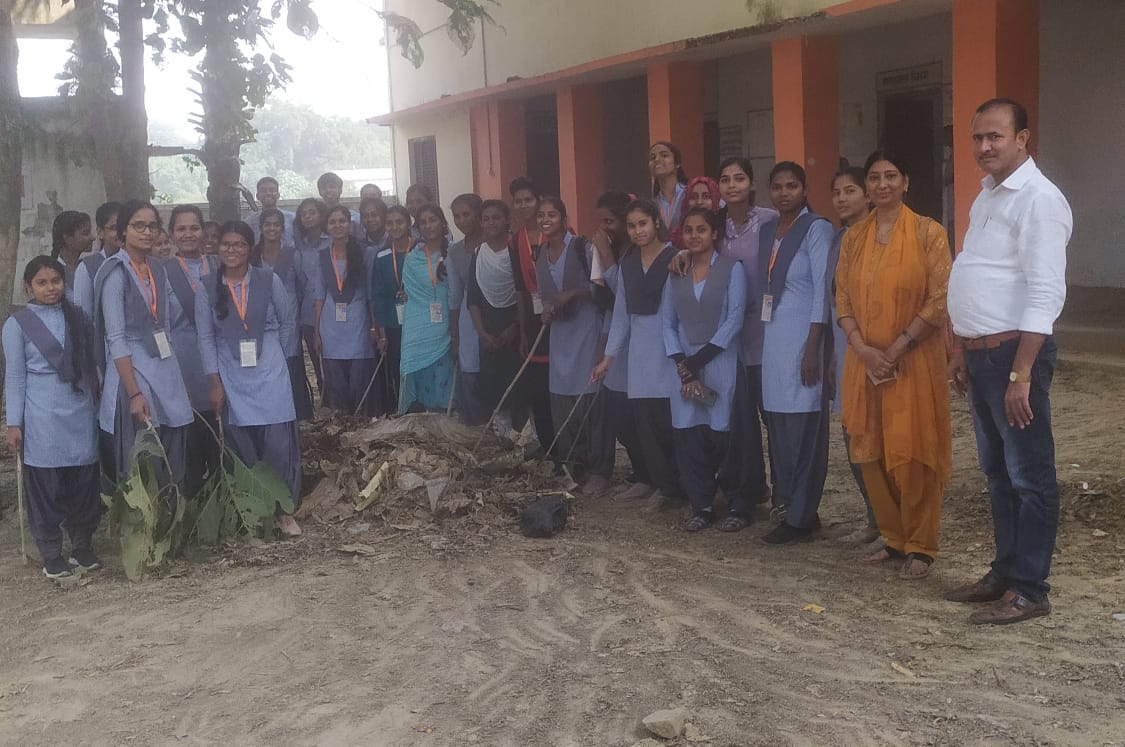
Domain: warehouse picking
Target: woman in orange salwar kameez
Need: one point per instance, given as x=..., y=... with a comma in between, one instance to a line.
x=890, y=298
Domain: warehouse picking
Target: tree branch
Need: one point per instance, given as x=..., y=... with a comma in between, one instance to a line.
x=156, y=151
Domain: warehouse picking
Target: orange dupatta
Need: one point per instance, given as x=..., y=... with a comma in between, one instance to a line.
x=884, y=288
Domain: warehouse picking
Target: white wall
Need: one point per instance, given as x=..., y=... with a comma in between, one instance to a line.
x=1082, y=108
x=450, y=130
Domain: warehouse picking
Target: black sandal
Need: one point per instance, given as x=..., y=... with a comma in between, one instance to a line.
x=921, y=557
x=734, y=523
x=698, y=522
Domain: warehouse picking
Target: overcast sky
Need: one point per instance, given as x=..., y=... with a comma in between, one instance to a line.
x=342, y=71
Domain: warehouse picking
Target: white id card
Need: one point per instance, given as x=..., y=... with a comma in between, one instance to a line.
x=437, y=314
x=767, y=307
x=163, y=349
x=536, y=304
x=341, y=312
x=248, y=353
x=400, y=312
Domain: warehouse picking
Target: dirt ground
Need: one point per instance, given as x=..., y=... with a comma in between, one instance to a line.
x=469, y=633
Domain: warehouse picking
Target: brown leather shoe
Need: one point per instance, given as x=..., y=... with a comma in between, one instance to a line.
x=1012, y=608
x=988, y=589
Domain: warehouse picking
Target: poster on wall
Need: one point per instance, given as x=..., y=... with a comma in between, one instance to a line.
x=730, y=141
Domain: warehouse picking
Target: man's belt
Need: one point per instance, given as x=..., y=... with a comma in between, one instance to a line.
x=988, y=342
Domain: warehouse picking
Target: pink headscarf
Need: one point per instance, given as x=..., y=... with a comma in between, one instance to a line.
x=675, y=235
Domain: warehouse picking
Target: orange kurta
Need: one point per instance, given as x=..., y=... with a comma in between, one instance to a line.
x=884, y=288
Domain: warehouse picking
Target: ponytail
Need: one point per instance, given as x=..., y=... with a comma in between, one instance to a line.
x=222, y=307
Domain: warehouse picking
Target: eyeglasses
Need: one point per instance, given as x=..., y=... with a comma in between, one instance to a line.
x=142, y=227
x=234, y=246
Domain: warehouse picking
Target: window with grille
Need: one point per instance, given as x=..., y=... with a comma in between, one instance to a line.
x=423, y=163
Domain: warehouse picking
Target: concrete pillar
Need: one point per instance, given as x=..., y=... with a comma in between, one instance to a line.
x=498, y=131
x=995, y=54
x=675, y=109
x=581, y=153
x=806, y=119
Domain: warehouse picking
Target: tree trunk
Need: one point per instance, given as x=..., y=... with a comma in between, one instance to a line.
x=11, y=159
x=133, y=118
x=221, y=82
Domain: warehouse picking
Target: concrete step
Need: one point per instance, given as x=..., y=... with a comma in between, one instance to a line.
x=1101, y=339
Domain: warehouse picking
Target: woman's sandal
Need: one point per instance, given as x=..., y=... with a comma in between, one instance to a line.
x=883, y=555
x=697, y=522
x=905, y=573
x=734, y=523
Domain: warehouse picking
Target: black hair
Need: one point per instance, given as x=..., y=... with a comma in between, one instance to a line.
x=402, y=211
x=375, y=187
x=422, y=189
x=67, y=223
x=75, y=320
x=329, y=178
x=440, y=214
x=222, y=302
x=106, y=211
x=128, y=209
x=885, y=154
x=714, y=220
x=1019, y=111
x=739, y=161
x=256, y=250
x=180, y=210
x=374, y=202
x=855, y=173
x=299, y=229
x=617, y=203
x=521, y=183
x=559, y=205
x=474, y=201
x=681, y=175
x=208, y=224
x=353, y=253
x=649, y=208
x=796, y=170
x=267, y=180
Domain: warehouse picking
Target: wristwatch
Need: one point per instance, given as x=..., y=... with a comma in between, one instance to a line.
x=1019, y=378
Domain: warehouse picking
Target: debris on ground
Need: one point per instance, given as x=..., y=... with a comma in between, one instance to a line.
x=417, y=469
x=667, y=724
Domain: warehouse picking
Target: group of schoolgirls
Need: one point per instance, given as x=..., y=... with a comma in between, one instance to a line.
x=191, y=349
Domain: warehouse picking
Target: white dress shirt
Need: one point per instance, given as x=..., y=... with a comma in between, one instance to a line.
x=1011, y=273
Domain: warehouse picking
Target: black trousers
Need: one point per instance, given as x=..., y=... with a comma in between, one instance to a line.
x=619, y=421
x=203, y=456
x=299, y=382
x=586, y=437
x=308, y=334
x=801, y=462
x=700, y=452
x=744, y=469
x=535, y=397
x=653, y=419
x=346, y=382
x=388, y=380
x=61, y=498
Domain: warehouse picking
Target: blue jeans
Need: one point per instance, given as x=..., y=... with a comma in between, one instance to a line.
x=1020, y=466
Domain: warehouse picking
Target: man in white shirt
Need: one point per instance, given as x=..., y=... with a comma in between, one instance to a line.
x=1006, y=290
x=269, y=192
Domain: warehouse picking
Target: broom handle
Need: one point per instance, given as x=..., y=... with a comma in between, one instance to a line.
x=21, y=508
x=511, y=386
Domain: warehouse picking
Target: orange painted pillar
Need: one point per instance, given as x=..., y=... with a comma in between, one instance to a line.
x=675, y=109
x=806, y=112
x=995, y=54
x=498, y=136
x=581, y=153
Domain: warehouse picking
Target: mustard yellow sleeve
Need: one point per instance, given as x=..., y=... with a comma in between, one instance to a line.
x=938, y=262
x=844, y=272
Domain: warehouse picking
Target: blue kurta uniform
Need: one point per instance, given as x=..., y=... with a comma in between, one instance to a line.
x=197, y=272
x=575, y=335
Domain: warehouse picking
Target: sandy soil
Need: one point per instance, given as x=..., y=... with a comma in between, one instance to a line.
x=471, y=634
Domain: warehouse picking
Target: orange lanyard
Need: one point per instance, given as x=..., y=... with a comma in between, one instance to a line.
x=335, y=269
x=394, y=261
x=187, y=272
x=773, y=260
x=240, y=303
x=430, y=268
x=671, y=211
x=150, y=286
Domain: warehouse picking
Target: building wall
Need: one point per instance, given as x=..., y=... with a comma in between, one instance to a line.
x=451, y=133
x=740, y=94
x=534, y=37
x=1081, y=150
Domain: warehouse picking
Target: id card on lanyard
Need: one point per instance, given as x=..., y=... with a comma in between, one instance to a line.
x=437, y=311
x=767, y=298
x=148, y=288
x=247, y=348
x=341, y=308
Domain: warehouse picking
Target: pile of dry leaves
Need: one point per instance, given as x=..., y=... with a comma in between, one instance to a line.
x=413, y=470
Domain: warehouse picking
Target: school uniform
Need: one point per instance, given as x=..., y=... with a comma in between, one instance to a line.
x=466, y=396
x=387, y=299
x=83, y=296
x=248, y=348
x=426, y=368
x=796, y=415
x=672, y=211
x=615, y=388
x=254, y=220
x=575, y=336
x=58, y=418
x=705, y=319
x=308, y=258
x=188, y=276
x=285, y=267
x=347, y=354
x=495, y=283
x=636, y=332
x=131, y=330
x=533, y=392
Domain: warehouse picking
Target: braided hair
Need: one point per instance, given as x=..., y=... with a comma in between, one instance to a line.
x=76, y=326
x=222, y=298
x=67, y=223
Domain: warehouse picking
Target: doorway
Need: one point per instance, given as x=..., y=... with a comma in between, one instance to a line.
x=910, y=123
x=543, y=143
